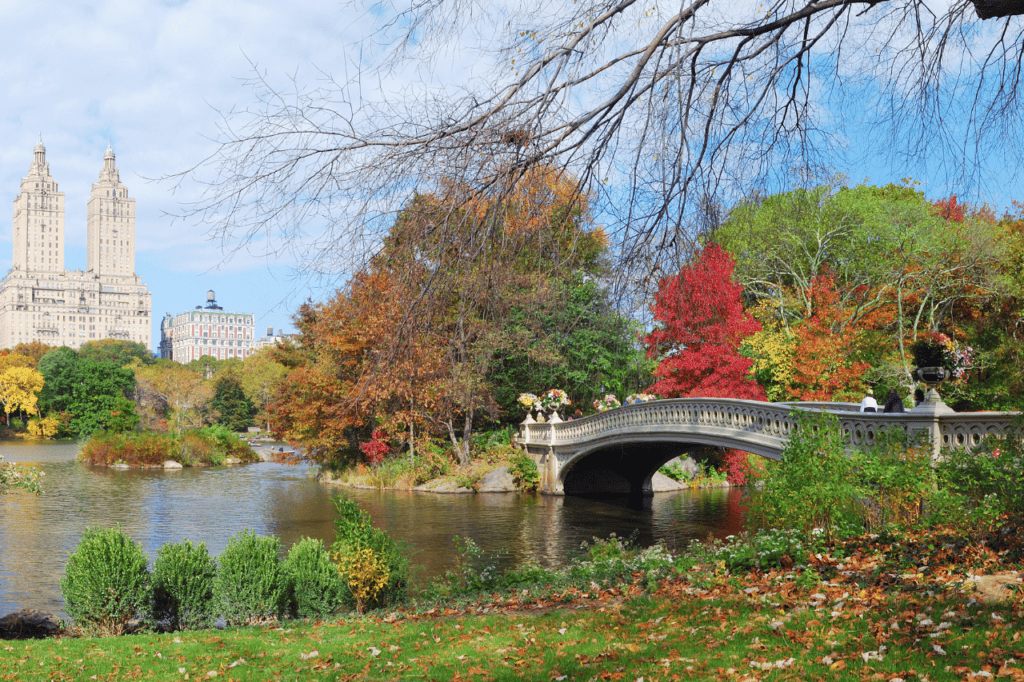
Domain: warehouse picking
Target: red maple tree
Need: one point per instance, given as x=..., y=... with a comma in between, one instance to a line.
x=702, y=324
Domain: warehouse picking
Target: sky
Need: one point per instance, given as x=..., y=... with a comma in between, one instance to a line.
x=151, y=78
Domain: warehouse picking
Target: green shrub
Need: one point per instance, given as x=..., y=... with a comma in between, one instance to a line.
x=813, y=486
x=895, y=478
x=106, y=583
x=250, y=587
x=524, y=472
x=353, y=533
x=183, y=579
x=315, y=584
x=994, y=469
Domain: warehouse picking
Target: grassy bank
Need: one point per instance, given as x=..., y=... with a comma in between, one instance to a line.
x=202, y=447
x=868, y=608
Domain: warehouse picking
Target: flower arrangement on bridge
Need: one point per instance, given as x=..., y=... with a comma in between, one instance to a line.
x=634, y=398
x=608, y=402
x=555, y=399
x=527, y=400
x=934, y=349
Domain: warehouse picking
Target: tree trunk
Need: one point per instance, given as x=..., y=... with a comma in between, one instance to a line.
x=467, y=431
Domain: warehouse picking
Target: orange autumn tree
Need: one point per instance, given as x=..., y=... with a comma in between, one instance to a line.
x=409, y=344
x=827, y=347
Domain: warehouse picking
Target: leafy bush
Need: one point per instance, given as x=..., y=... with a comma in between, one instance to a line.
x=524, y=472
x=315, y=584
x=366, y=575
x=354, y=532
x=251, y=586
x=994, y=468
x=106, y=583
x=183, y=580
x=813, y=486
x=895, y=477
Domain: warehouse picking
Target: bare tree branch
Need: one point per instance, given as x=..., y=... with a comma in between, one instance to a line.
x=656, y=109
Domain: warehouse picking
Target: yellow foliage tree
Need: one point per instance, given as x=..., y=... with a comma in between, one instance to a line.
x=46, y=427
x=19, y=389
x=773, y=352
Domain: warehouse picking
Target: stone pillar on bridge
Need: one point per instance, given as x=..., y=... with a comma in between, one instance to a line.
x=927, y=414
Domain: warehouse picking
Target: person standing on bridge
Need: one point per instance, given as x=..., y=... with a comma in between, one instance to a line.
x=869, y=404
x=893, y=403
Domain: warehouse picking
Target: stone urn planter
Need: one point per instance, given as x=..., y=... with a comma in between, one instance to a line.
x=933, y=376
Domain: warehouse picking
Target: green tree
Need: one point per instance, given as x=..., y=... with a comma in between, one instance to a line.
x=91, y=395
x=234, y=410
x=116, y=352
x=578, y=343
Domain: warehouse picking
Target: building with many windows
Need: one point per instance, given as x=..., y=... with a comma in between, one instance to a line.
x=42, y=301
x=208, y=330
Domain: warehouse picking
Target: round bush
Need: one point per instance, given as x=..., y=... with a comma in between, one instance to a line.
x=250, y=587
x=106, y=582
x=183, y=577
x=316, y=586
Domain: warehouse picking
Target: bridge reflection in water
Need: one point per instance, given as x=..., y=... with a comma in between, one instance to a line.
x=618, y=451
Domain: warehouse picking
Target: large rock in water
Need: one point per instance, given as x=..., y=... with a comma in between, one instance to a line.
x=497, y=481
x=660, y=483
x=28, y=624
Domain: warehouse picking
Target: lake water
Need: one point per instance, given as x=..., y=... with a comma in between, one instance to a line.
x=210, y=505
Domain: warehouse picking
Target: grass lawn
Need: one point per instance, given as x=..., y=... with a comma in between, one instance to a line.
x=863, y=613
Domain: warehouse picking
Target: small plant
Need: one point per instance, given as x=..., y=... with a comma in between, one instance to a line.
x=251, y=587
x=366, y=576
x=524, y=472
x=316, y=586
x=106, y=583
x=354, y=532
x=183, y=580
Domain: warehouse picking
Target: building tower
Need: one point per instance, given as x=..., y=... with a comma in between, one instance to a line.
x=42, y=301
x=110, y=232
x=39, y=219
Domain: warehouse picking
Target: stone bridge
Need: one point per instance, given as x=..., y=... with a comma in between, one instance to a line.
x=618, y=451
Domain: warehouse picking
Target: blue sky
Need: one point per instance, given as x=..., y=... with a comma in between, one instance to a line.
x=150, y=77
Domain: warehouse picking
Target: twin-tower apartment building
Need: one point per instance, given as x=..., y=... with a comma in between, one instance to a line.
x=40, y=300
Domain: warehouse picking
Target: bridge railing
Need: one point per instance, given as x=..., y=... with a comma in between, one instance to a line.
x=766, y=425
